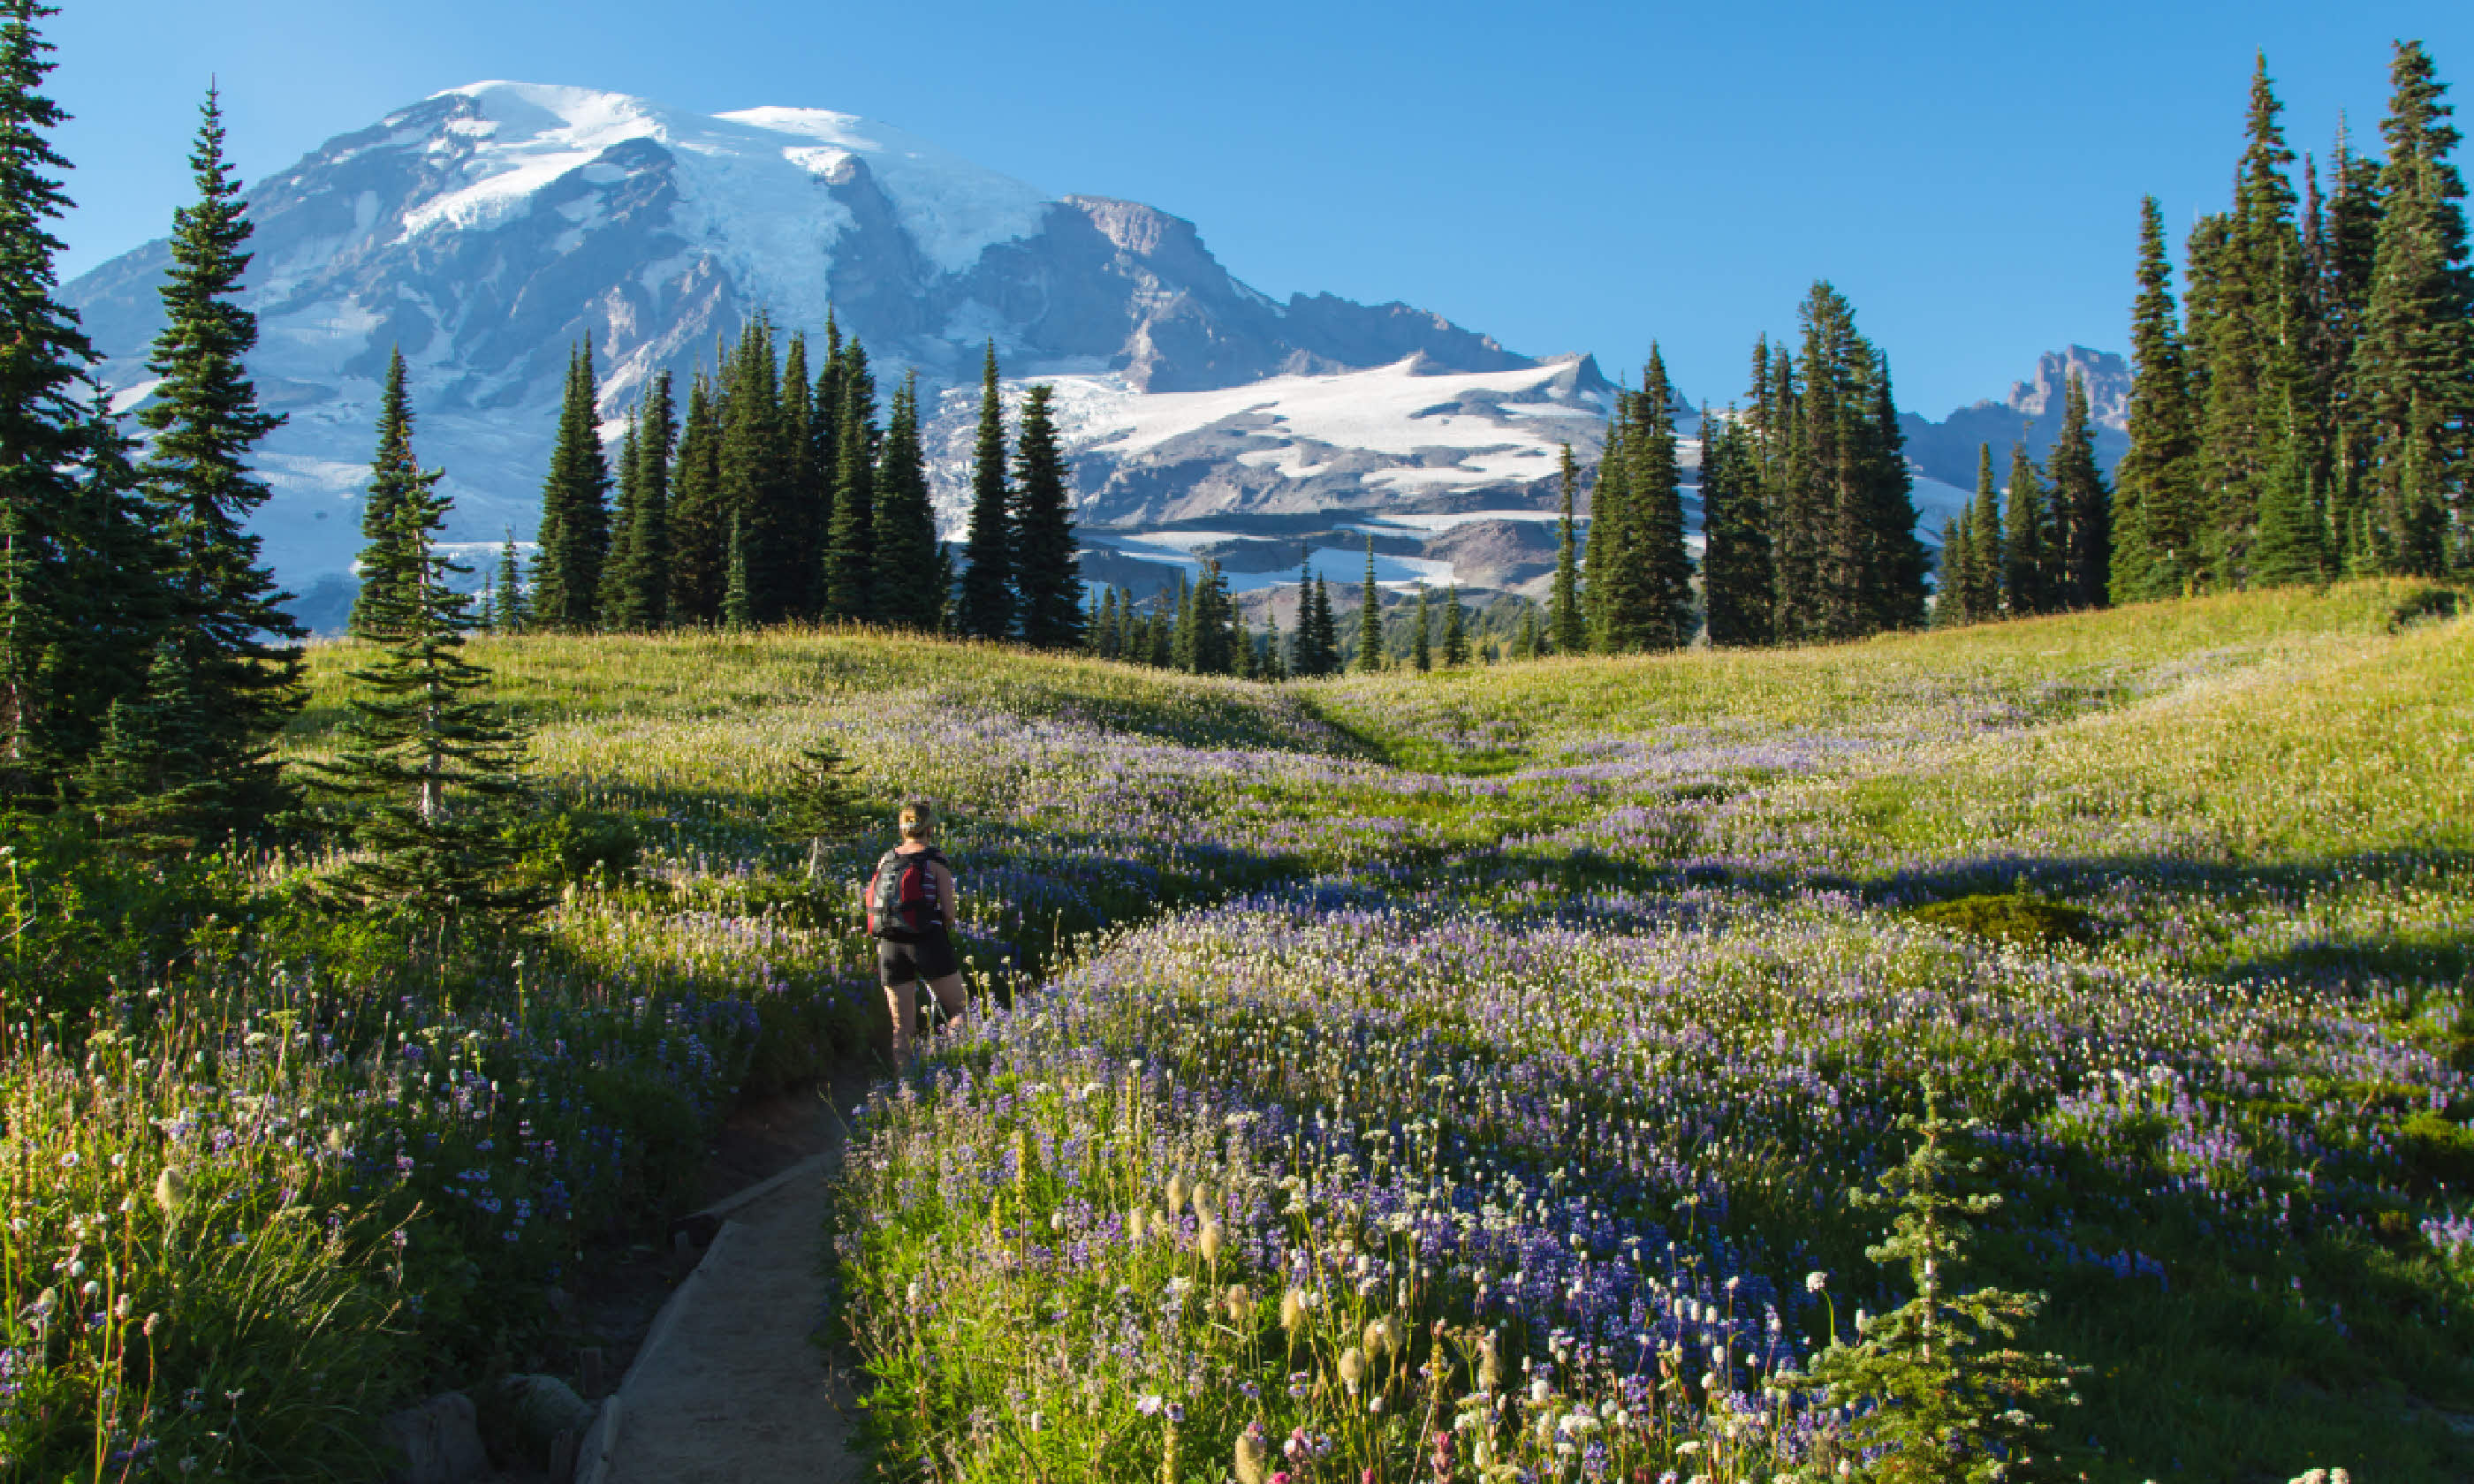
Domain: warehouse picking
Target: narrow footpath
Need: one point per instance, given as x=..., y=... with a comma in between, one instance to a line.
x=729, y=1387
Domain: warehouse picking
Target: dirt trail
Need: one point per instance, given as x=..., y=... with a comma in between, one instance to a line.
x=728, y=1385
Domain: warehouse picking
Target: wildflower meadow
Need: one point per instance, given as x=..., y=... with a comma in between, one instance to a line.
x=1407, y=1077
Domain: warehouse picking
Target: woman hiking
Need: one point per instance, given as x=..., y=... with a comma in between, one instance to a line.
x=910, y=904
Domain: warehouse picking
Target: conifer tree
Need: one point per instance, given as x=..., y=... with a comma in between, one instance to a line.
x=755, y=459
x=41, y=436
x=150, y=784
x=431, y=762
x=389, y=472
x=1659, y=498
x=1568, y=625
x=906, y=522
x=636, y=589
x=1046, y=577
x=574, y=535
x=109, y=562
x=738, y=593
x=2290, y=548
x=2156, y=485
x=1951, y=587
x=1613, y=583
x=987, y=572
x=2254, y=275
x=2082, y=507
x=1370, y=619
x=699, y=520
x=512, y=606
x=2417, y=358
x=1525, y=640
x=2026, y=554
x=1103, y=641
x=1456, y=645
x=795, y=506
x=1326, y=631
x=1420, y=654
x=1242, y=654
x=1737, y=578
x=1987, y=573
x=623, y=527
x=225, y=613
x=850, y=556
x=1931, y=1391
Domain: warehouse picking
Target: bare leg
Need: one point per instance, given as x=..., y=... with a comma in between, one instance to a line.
x=901, y=1007
x=951, y=998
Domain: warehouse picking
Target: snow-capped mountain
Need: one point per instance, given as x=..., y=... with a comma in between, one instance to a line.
x=487, y=229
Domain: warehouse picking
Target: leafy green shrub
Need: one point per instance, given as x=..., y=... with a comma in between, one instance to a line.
x=2010, y=917
x=2438, y=1149
x=2424, y=603
x=577, y=846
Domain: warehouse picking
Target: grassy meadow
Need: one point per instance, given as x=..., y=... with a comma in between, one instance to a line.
x=1446, y=1076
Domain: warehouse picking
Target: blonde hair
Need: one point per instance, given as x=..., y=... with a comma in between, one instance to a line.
x=918, y=819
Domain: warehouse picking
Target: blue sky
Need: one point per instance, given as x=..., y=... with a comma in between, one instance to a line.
x=1574, y=176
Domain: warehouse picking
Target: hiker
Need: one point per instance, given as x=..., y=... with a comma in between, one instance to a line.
x=909, y=905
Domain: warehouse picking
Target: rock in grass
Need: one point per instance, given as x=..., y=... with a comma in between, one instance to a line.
x=2010, y=917
x=438, y=1442
x=524, y=1415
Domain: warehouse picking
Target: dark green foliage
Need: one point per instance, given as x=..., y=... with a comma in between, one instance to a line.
x=988, y=570
x=1317, y=647
x=511, y=606
x=1047, y=578
x=150, y=784
x=42, y=433
x=1951, y=596
x=430, y=768
x=1842, y=510
x=2290, y=548
x=574, y=535
x=1985, y=574
x=2155, y=500
x=849, y=567
x=2082, y=506
x=1939, y=1395
x=1737, y=579
x=1568, y=625
x=908, y=593
x=738, y=594
x=1420, y=653
x=1525, y=640
x=2026, y=542
x=391, y=472
x=754, y=463
x=224, y=611
x=636, y=589
x=1641, y=578
x=699, y=520
x=1370, y=618
x=1610, y=522
x=1456, y=645
x=2017, y=917
x=1207, y=634
x=2416, y=367
x=824, y=805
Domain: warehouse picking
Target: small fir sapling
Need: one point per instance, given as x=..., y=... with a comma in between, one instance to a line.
x=1934, y=1405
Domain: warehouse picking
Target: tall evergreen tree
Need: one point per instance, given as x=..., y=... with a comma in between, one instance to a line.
x=1951, y=596
x=2290, y=548
x=110, y=562
x=1568, y=626
x=41, y=436
x=905, y=521
x=623, y=526
x=2156, y=522
x=225, y=613
x=636, y=587
x=389, y=472
x=1985, y=575
x=2027, y=541
x=574, y=537
x=1047, y=578
x=1613, y=586
x=1658, y=493
x=511, y=606
x=2254, y=274
x=2416, y=357
x=1735, y=574
x=850, y=556
x=739, y=589
x=2082, y=507
x=1525, y=639
x=1456, y=645
x=987, y=572
x=1370, y=618
x=756, y=462
x=432, y=762
x=795, y=559
x=699, y=518
x=1420, y=653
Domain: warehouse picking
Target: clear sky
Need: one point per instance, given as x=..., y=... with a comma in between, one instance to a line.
x=1561, y=177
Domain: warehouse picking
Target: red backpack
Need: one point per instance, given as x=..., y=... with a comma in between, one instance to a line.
x=901, y=897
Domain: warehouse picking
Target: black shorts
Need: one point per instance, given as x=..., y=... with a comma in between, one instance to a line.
x=931, y=957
